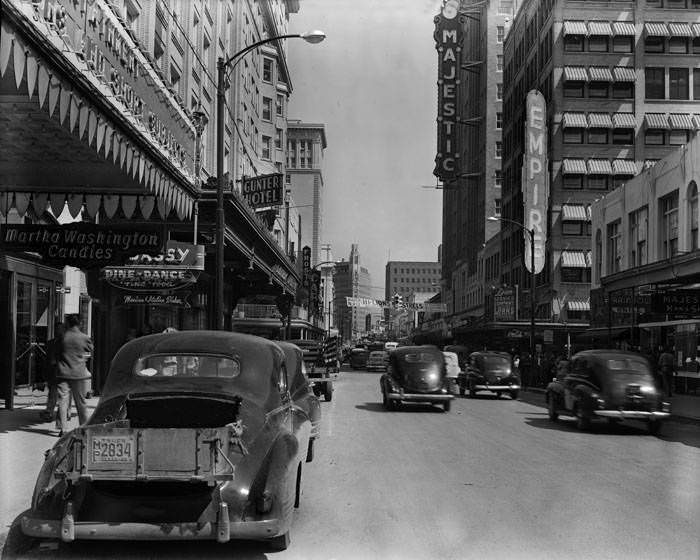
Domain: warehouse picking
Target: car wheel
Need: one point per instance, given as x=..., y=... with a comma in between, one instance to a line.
x=472, y=390
x=582, y=421
x=654, y=427
x=317, y=390
x=514, y=394
x=447, y=405
x=280, y=542
x=552, y=409
x=385, y=401
x=310, y=451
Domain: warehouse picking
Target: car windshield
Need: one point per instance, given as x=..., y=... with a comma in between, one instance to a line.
x=628, y=365
x=496, y=361
x=419, y=357
x=187, y=365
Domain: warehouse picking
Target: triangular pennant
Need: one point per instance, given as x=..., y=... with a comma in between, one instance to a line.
x=142, y=167
x=135, y=167
x=32, y=69
x=74, y=111
x=54, y=94
x=123, y=150
x=152, y=179
x=6, y=199
x=83, y=120
x=128, y=205
x=101, y=127
x=20, y=59
x=43, y=85
x=39, y=201
x=182, y=208
x=75, y=204
x=146, y=204
x=109, y=133
x=92, y=126
x=6, y=40
x=110, y=203
x=21, y=203
x=116, y=140
x=58, y=201
x=163, y=207
x=129, y=159
x=63, y=103
x=92, y=204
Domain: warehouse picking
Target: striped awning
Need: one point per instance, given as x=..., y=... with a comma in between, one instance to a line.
x=574, y=120
x=656, y=120
x=599, y=120
x=623, y=28
x=624, y=167
x=575, y=74
x=649, y=163
x=589, y=212
x=624, y=74
x=696, y=29
x=681, y=121
x=696, y=122
x=656, y=29
x=623, y=120
x=680, y=30
x=575, y=28
x=578, y=305
x=573, y=259
x=599, y=167
x=574, y=213
x=600, y=74
x=571, y=166
x=599, y=28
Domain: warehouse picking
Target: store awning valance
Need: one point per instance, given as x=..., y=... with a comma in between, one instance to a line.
x=623, y=120
x=574, y=120
x=681, y=121
x=573, y=259
x=624, y=167
x=656, y=29
x=575, y=74
x=571, y=166
x=599, y=167
x=574, y=213
x=599, y=28
x=696, y=29
x=624, y=74
x=599, y=120
x=578, y=305
x=656, y=120
x=599, y=74
x=623, y=28
x=696, y=122
x=575, y=28
x=680, y=30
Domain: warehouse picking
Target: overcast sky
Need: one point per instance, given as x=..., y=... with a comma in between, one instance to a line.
x=372, y=83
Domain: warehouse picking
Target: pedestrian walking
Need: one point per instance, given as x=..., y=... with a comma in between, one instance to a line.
x=73, y=375
x=667, y=371
x=53, y=348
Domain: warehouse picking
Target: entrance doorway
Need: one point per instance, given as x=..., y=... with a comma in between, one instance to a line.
x=34, y=327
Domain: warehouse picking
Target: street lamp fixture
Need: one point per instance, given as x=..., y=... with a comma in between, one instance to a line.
x=533, y=275
x=222, y=67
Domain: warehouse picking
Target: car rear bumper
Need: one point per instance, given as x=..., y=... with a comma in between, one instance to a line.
x=486, y=387
x=623, y=414
x=416, y=397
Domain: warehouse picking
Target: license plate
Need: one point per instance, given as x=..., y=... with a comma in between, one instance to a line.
x=112, y=449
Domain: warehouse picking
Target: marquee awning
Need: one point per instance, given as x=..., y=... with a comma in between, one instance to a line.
x=575, y=74
x=574, y=213
x=656, y=120
x=680, y=30
x=623, y=120
x=656, y=29
x=599, y=167
x=624, y=74
x=599, y=28
x=599, y=120
x=574, y=120
x=623, y=28
x=572, y=166
x=573, y=259
x=681, y=121
x=599, y=74
x=624, y=167
x=575, y=28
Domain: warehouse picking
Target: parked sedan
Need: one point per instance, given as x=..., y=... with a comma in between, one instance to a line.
x=377, y=360
x=192, y=439
x=608, y=384
x=490, y=371
x=415, y=374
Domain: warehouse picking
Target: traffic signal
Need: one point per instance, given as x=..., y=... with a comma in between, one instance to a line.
x=397, y=301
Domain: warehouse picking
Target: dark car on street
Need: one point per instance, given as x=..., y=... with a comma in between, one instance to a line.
x=489, y=371
x=358, y=358
x=611, y=384
x=377, y=360
x=195, y=437
x=415, y=374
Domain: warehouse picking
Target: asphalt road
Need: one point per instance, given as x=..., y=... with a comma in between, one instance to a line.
x=490, y=479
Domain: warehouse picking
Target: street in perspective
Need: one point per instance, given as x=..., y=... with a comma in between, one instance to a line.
x=353, y=279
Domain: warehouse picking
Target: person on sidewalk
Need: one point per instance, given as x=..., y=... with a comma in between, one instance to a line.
x=53, y=348
x=73, y=375
x=667, y=371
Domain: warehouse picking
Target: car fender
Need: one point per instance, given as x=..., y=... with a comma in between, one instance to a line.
x=581, y=396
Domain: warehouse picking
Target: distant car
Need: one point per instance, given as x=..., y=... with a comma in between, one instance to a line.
x=452, y=370
x=391, y=346
x=195, y=437
x=462, y=354
x=610, y=384
x=415, y=374
x=358, y=358
x=377, y=360
x=489, y=371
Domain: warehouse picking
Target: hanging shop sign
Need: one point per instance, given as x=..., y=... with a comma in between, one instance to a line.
x=535, y=179
x=263, y=191
x=174, y=269
x=677, y=304
x=504, y=304
x=81, y=244
x=180, y=299
x=448, y=42
x=305, y=265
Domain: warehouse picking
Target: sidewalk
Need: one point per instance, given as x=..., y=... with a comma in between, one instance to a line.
x=684, y=408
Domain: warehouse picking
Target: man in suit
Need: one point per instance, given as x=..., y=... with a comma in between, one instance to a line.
x=73, y=375
x=53, y=354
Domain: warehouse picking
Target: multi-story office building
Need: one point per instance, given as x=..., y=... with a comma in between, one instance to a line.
x=621, y=84
x=351, y=279
x=304, y=179
x=407, y=278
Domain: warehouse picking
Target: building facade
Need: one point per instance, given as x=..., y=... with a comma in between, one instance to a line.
x=351, y=279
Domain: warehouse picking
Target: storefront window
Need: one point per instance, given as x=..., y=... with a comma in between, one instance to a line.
x=638, y=224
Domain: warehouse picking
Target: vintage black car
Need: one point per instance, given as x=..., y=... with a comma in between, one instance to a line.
x=195, y=436
x=489, y=371
x=415, y=374
x=358, y=358
x=301, y=391
x=610, y=384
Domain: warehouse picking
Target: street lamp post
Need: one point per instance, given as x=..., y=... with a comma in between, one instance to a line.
x=221, y=86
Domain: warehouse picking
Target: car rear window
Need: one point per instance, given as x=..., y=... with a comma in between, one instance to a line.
x=496, y=361
x=419, y=357
x=628, y=365
x=187, y=365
